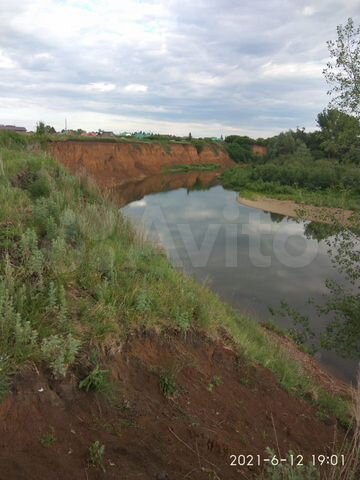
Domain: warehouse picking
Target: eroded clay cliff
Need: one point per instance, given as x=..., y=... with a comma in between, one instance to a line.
x=111, y=164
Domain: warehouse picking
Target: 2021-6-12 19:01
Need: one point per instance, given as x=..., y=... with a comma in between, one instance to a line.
x=292, y=459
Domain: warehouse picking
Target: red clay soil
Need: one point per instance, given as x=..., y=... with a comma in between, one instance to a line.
x=111, y=164
x=222, y=406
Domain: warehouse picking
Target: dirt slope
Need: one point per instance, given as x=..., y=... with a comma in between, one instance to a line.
x=111, y=164
x=223, y=406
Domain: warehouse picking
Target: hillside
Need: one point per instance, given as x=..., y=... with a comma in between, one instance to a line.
x=115, y=365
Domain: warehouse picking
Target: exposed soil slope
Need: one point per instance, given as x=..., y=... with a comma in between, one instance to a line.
x=223, y=406
x=111, y=164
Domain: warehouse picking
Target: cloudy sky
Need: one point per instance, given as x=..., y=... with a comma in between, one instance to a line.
x=207, y=66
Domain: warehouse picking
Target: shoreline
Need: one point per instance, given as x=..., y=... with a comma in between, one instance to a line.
x=290, y=208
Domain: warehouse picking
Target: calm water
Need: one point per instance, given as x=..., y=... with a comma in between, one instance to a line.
x=251, y=259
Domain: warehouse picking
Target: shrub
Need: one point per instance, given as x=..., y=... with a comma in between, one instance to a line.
x=96, y=454
x=60, y=352
x=168, y=385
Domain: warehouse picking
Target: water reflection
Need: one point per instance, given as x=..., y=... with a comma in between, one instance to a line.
x=132, y=191
x=192, y=217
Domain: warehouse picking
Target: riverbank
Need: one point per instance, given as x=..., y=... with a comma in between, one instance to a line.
x=290, y=208
x=114, y=363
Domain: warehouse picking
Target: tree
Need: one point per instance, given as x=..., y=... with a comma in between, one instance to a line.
x=339, y=133
x=342, y=72
x=42, y=129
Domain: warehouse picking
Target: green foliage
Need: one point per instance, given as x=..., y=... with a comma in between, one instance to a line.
x=12, y=140
x=60, y=352
x=286, y=471
x=42, y=129
x=342, y=72
x=168, y=385
x=183, y=319
x=96, y=381
x=48, y=439
x=215, y=382
x=239, y=148
x=96, y=453
x=205, y=167
x=289, y=180
x=339, y=135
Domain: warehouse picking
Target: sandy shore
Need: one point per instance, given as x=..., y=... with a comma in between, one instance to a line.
x=290, y=208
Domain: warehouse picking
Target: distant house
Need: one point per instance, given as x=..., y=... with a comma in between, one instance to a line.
x=259, y=150
x=140, y=135
x=104, y=133
x=89, y=134
x=13, y=128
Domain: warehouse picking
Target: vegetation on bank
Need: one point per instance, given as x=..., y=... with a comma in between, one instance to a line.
x=201, y=167
x=74, y=277
x=320, y=168
x=321, y=183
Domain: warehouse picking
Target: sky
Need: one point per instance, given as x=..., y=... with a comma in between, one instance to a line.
x=209, y=67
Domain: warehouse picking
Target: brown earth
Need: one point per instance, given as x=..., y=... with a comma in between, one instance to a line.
x=111, y=164
x=222, y=406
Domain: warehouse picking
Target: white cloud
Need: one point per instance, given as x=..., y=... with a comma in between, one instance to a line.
x=100, y=87
x=223, y=66
x=292, y=69
x=136, y=88
x=6, y=62
x=308, y=11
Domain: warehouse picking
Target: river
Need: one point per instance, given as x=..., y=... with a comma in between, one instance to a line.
x=252, y=259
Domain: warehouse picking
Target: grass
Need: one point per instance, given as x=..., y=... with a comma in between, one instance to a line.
x=204, y=167
x=74, y=276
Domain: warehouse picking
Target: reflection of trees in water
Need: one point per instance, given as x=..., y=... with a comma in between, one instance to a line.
x=341, y=303
x=320, y=231
x=276, y=217
x=199, y=184
x=139, y=188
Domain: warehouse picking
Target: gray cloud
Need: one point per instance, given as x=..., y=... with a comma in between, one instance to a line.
x=211, y=66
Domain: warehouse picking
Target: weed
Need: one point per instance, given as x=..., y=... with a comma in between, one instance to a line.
x=96, y=381
x=286, y=471
x=60, y=352
x=183, y=320
x=96, y=452
x=216, y=381
x=48, y=439
x=168, y=385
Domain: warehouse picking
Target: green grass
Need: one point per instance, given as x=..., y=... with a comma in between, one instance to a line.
x=204, y=167
x=74, y=275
